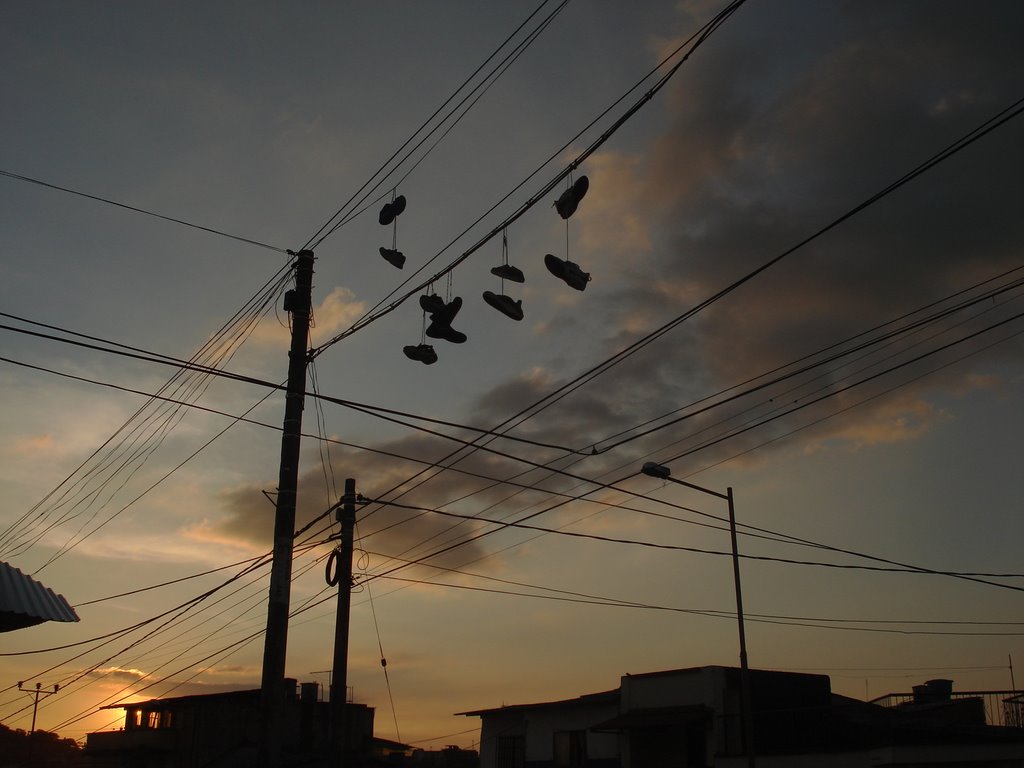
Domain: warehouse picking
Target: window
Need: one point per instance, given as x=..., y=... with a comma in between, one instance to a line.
x=152, y=719
x=570, y=748
x=510, y=752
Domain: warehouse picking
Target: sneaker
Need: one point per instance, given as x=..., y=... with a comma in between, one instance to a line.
x=505, y=304
x=423, y=353
x=432, y=303
x=567, y=202
x=391, y=210
x=567, y=271
x=393, y=257
x=508, y=272
x=441, y=323
x=440, y=331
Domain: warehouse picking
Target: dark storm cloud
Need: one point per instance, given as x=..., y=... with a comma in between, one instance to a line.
x=772, y=135
x=249, y=516
x=773, y=132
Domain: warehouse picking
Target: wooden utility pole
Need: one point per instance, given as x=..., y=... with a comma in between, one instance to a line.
x=272, y=699
x=343, y=577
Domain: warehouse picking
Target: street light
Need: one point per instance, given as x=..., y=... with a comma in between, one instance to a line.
x=661, y=472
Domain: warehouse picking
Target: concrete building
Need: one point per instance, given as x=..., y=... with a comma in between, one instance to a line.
x=221, y=729
x=691, y=718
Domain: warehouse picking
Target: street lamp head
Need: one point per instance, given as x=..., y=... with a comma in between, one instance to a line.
x=659, y=471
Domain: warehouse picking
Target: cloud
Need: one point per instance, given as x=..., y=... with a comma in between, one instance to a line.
x=32, y=447
x=762, y=151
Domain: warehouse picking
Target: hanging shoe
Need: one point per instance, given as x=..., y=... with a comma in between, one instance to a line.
x=423, y=353
x=567, y=202
x=446, y=332
x=432, y=303
x=567, y=271
x=505, y=305
x=391, y=210
x=508, y=272
x=441, y=323
x=393, y=257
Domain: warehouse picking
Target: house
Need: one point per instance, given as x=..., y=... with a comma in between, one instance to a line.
x=222, y=729
x=692, y=717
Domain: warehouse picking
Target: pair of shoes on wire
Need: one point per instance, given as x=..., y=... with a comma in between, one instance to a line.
x=505, y=304
x=568, y=201
x=508, y=272
x=393, y=257
x=391, y=210
x=567, y=271
x=441, y=322
x=423, y=353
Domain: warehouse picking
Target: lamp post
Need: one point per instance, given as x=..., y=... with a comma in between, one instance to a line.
x=662, y=472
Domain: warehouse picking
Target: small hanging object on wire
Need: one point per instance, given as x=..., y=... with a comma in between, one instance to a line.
x=441, y=322
x=391, y=210
x=423, y=352
x=505, y=270
x=393, y=256
x=442, y=312
x=568, y=201
x=389, y=214
x=506, y=304
x=568, y=271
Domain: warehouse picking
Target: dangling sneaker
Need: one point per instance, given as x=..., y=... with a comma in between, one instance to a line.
x=505, y=305
x=423, y=353
x=568, y=200
x=393, y=257
x=391, y=210
x=508, y=272
x=567, y=271
x=432, y=303
x=441, y=323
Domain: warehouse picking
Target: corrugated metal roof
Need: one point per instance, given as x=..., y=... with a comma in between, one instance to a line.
x=25, y=602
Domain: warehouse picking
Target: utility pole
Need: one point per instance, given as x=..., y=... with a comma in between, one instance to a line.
x=272, y=698
x=343, y=578
x=35, y=693
x=746, y=702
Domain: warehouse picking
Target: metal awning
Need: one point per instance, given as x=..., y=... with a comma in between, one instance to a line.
x=24, y=602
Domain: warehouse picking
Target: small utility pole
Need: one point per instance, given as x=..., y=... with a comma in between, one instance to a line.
x=35, y=693
x=339, y=679
x=272, y=699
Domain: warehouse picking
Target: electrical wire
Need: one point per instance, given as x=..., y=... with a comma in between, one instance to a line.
x=697, y=39
x=135, y=209
x=313, y=241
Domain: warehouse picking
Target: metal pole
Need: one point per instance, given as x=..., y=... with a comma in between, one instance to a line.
x=272, y=699
x=339, y=678
x=745, y=702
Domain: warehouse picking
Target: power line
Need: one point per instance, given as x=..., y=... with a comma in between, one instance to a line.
x=313, y=242
x=698, y=38
x=553, y=397
x=677, y=547
x=212, y=231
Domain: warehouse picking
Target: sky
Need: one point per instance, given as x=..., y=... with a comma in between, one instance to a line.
x=853, y=373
